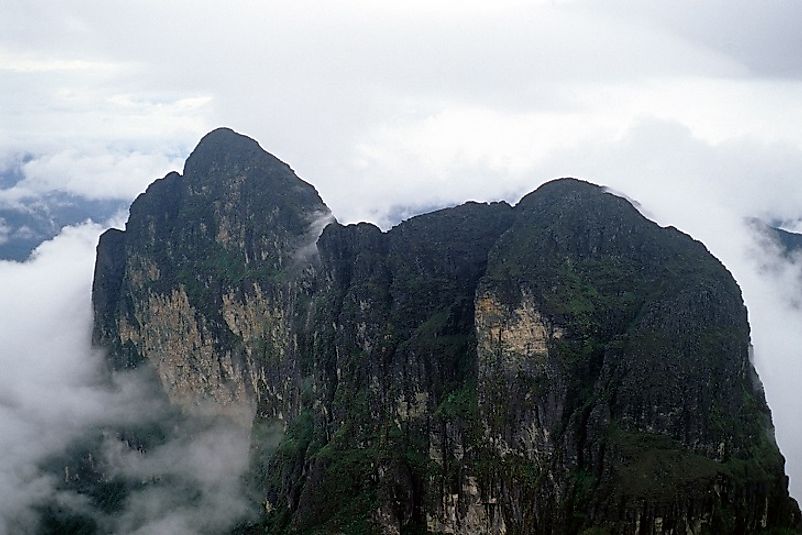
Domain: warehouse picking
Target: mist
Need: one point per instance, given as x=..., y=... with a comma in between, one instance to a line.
x=62, y=414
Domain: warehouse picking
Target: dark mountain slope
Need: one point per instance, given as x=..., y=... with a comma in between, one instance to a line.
x=561, y=366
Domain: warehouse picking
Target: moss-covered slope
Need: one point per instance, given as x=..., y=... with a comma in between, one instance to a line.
x=560, y=366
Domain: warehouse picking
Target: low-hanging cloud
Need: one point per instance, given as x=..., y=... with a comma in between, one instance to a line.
x=195, y=481
x=56, y=397
x=104, y=174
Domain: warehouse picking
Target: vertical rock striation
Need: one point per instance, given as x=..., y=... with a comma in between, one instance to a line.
x=202, y=283
x=560, y=366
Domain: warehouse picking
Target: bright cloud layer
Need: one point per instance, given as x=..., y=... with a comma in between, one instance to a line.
x=53, y=392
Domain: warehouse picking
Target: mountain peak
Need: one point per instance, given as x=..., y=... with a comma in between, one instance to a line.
x=561, y=188
x=224, y=135
x=225, y=149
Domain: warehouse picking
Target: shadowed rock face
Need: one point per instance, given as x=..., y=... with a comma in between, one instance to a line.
x=553, y=367
x=191, y=286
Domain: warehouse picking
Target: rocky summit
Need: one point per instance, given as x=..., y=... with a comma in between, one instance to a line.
x=563, y=365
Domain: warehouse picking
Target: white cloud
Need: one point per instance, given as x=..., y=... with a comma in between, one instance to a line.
x=102, y=175
x=52, y=392
x=45, y=361
x=32, y=64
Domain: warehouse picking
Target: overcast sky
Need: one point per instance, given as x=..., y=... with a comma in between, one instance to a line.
x=693, y=109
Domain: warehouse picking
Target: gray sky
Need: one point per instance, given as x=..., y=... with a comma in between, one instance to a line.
x=691, y=108
x=406, y=103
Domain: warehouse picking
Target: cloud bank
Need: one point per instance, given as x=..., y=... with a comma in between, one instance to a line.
x=58, y=410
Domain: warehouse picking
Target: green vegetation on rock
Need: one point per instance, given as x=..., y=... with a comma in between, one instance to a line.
x=561, y=366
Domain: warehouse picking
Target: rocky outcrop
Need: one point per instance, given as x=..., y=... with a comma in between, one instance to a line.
x=560, y=366
x=197, y=287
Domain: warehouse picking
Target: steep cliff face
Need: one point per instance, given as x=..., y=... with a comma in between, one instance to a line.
x=202, y=282
x=637, y=365
x=559, y=366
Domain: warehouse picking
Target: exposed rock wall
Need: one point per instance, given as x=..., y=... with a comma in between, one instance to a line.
x=202, y=284
x=560, y=366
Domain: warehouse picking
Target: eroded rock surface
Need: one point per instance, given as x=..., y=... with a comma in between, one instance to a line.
x=559, y=366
